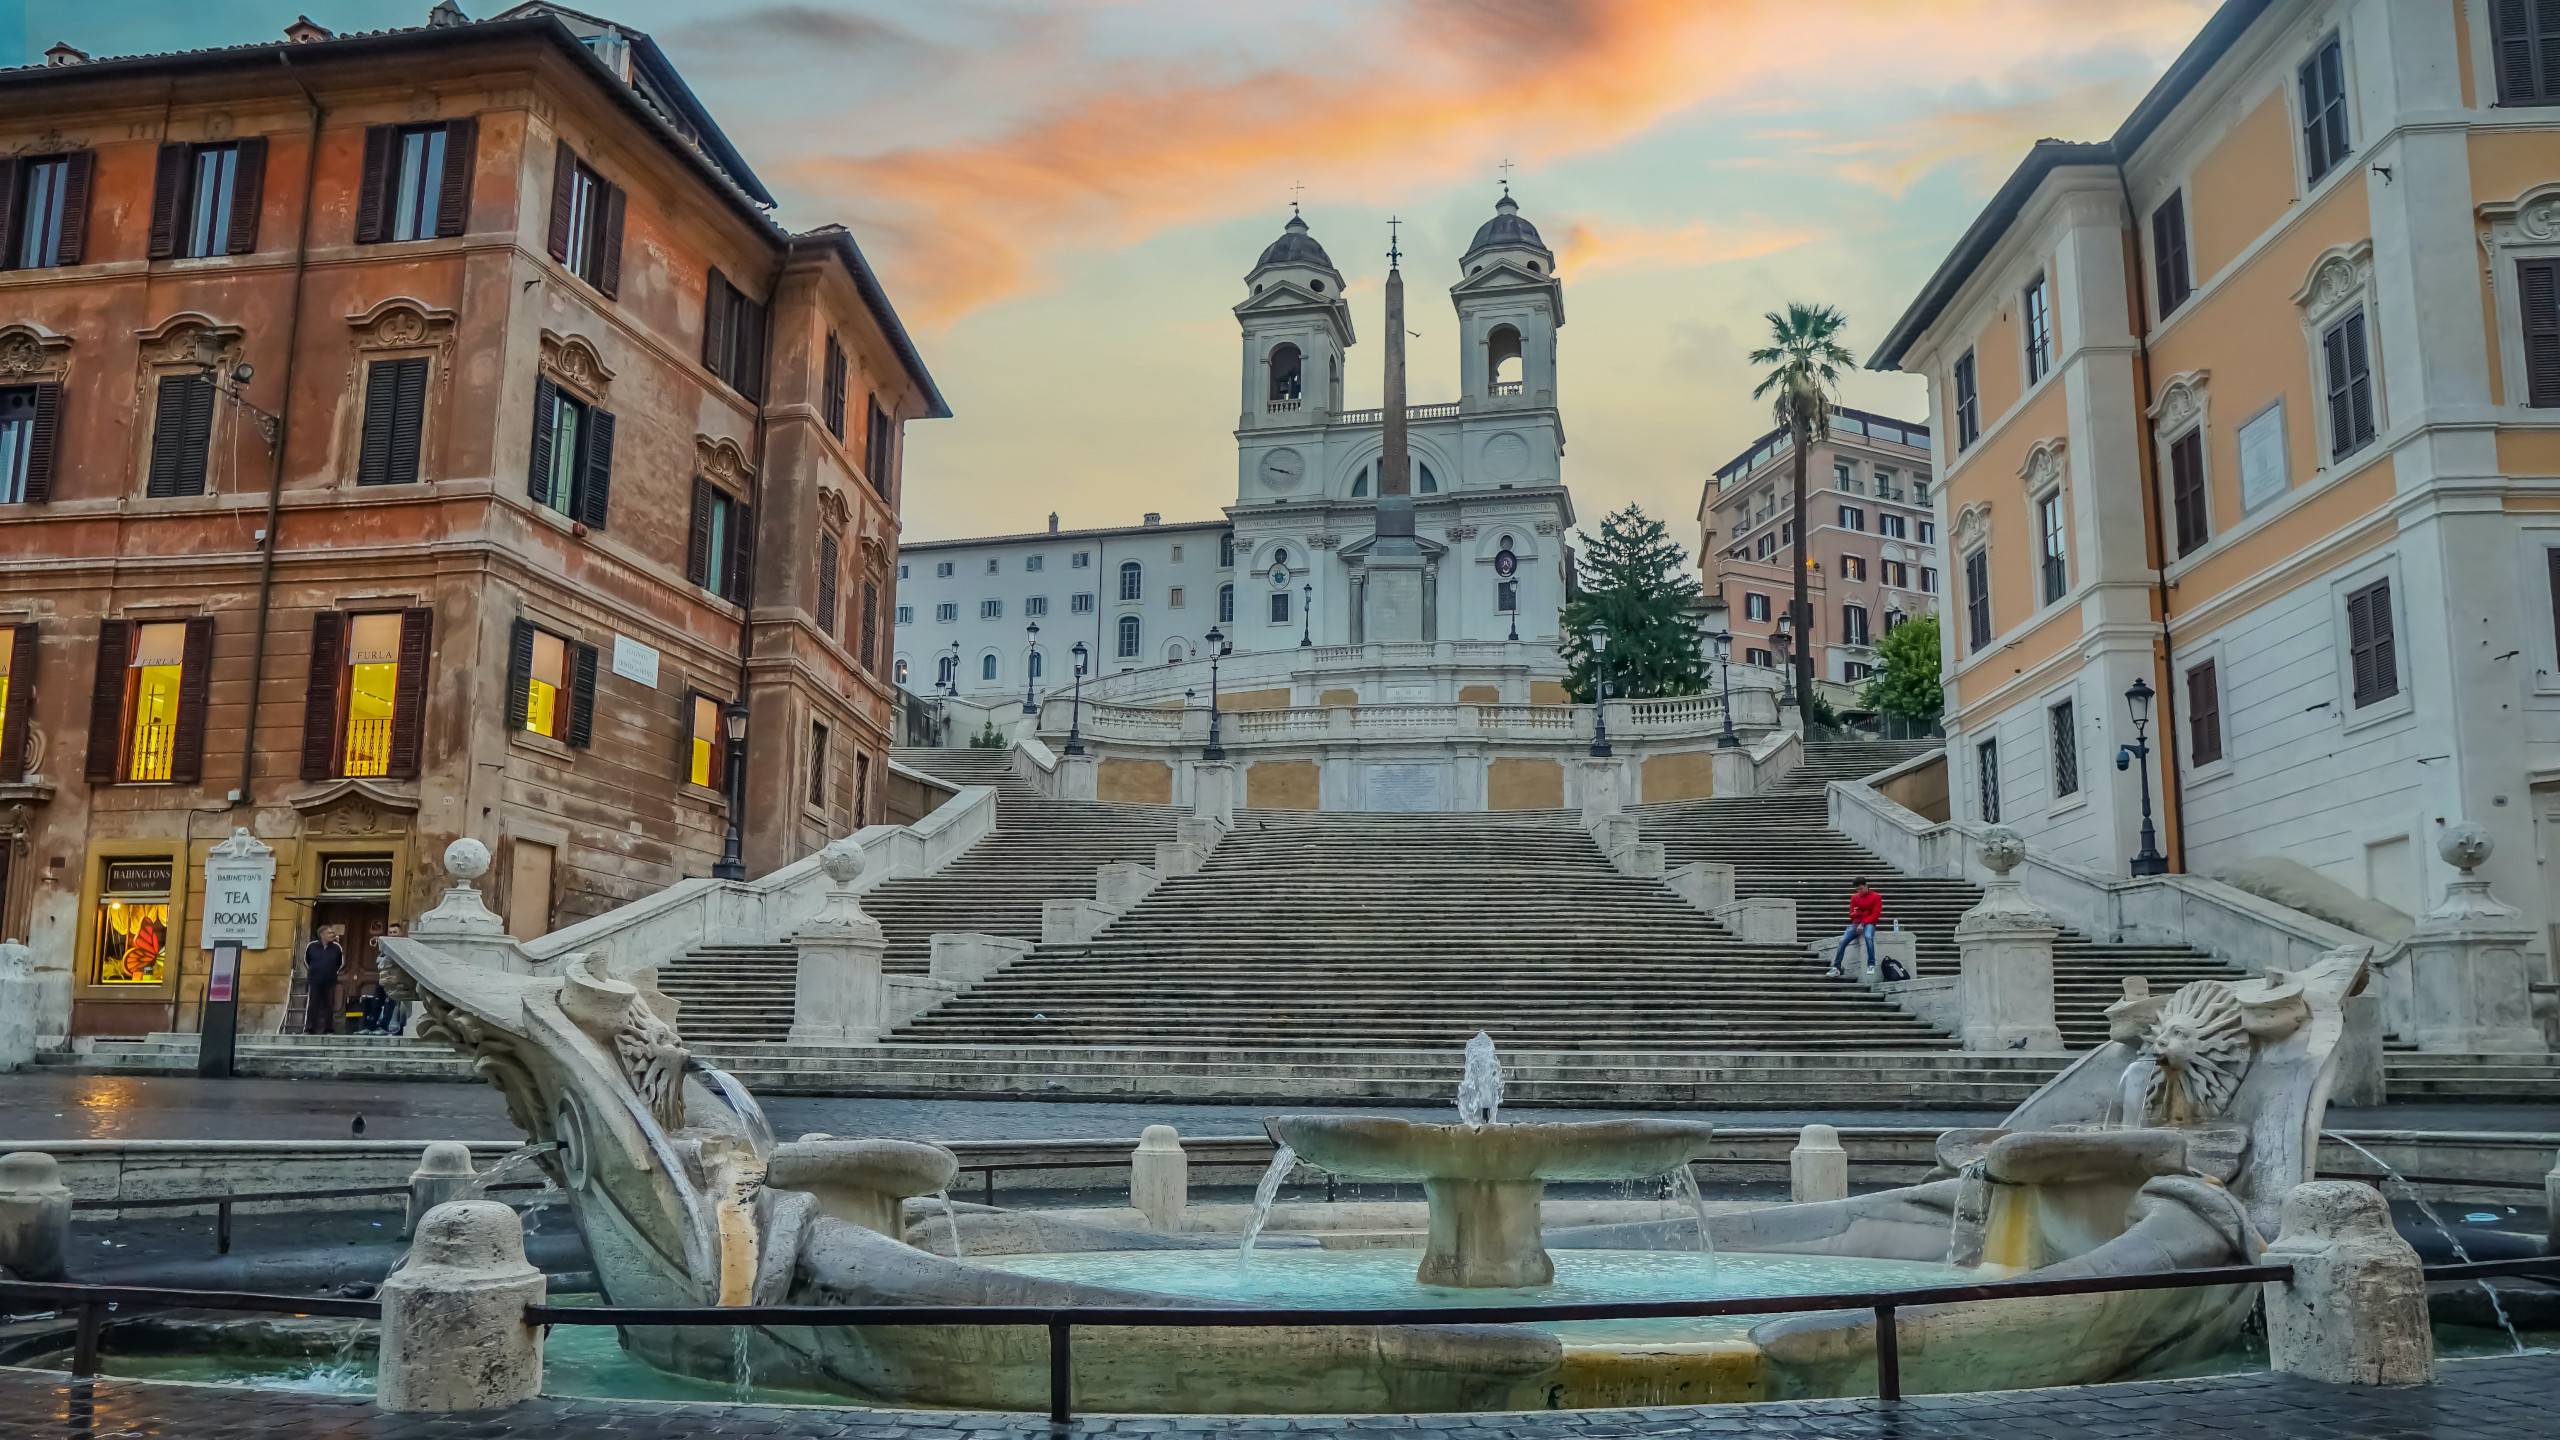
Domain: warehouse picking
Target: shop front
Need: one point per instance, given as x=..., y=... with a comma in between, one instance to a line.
x=125, y=976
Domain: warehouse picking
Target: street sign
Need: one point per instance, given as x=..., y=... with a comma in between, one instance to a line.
x=239, y=881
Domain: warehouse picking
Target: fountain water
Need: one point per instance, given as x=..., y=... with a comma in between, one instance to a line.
x=2133, y=1093
x=508, y=1164
x=1480, y=1086
x=1684, y=1186
x=951, y=1218
x=2391, y=1176
x=1264, y=1194
x=758, y=1130
x=742, y=1369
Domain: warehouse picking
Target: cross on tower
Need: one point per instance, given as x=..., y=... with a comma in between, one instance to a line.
x=1506, y=168
x=1296, y=188
x=1393, y=253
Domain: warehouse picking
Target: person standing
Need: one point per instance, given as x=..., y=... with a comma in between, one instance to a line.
x=1866, y=907
x=321, y=962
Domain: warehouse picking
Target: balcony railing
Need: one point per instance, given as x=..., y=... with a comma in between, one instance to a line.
x=368, y=747
x=1440, y=411
x=1290, y=403
x=1510, y=387
x=154, y=746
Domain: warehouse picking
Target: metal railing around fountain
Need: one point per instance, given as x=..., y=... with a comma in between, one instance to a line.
x=223, y=1205
x=93, y=1305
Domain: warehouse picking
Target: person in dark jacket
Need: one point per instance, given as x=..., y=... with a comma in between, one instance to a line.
x=322, y=959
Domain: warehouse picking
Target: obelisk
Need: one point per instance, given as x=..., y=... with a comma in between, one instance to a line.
x=1394, y=599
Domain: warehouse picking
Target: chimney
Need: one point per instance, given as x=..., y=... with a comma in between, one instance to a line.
x=304, y=30
x=1152, y=518
x=446, y=14
x=65, y=53
x=1053, y=522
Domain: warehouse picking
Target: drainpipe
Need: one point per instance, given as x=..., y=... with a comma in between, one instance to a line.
x=2175, y=814
x=284, y=429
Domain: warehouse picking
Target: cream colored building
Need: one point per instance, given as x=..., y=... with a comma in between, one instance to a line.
x=2312, y=497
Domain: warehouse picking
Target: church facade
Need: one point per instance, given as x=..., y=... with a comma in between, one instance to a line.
x=1289, y=564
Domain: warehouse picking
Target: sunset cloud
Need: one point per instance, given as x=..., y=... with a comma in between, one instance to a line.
x=1587, y=248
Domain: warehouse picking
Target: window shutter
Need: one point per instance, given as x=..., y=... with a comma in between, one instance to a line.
x=2538, y=294
x=2546, y=51
x=320, y=696
x=408, y=417
x=2552, y=558
x=106, y=701
x=2516, y=79
x=597, y=497
x=2360, y=379
x=180, y=432
x=2386, y=650
x=715, y=324
x=78, y=172
x=22, y=679
x=453, y=191
x=829, y=557
x=751, y=350
x=373, y=192
x=546, y=414
x=166, y=187
x=697, y=545
x=195, y=682
x=9, y=212
x=871, y=620
x=609, y=263
x=248, y=188
x=2333, y=356
x=519, y=673
x=2204, y=714
x=564, y=172
x=2186, y=483
x=742, y=549
x=44, y=442
x=409, y=692
x=373, y=449
x=582, y=699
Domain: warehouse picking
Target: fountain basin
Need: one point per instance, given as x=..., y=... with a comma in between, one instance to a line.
x=1484, y=1183
x=864, y=1182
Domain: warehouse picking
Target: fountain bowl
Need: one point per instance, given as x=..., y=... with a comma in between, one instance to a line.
x=864, y=1182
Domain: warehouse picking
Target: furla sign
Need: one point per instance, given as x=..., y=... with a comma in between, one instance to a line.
x=239, y=883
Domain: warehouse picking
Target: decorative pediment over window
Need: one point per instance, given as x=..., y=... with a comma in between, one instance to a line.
x=2046, y=463
x=875, y=556
x=191, y=338
x=832, y=509
x=2181, y=402
x=31, y=352
x=572, y=362
x=401, y=323
x=2340, y=276
x=723, y=461
x=2532, y=217
x=1973, y=525
x=355, y=807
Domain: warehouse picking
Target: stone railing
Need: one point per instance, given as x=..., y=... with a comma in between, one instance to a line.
x=1692, y=718
x=1441, y=410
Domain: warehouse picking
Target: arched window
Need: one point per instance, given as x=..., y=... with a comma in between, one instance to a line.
x=1132, y=580
x=1360, y=483
x=902, y=672
x=1502, y=361
x=986, y=667
x=1174, y=654
x=946, y=672
x=1430, y=483
x=1226, y=604
x=1128, y=637
x=1227, y=550
x=1286, y=378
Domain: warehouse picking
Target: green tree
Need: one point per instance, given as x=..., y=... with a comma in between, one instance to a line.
x=1802, y=364
x=1637, y=581
x=1905, y=685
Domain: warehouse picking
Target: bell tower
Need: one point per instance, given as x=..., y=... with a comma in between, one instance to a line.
x=1297, y=328
x=1510, y=306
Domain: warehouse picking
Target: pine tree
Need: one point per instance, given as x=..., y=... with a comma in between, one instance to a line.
x=1905, y=685
x=1637, y=581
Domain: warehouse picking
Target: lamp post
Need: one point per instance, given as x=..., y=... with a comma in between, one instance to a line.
x=1724, y=662
x=1307, y=616
x=2148, y=860
x=733, y=725
x=1598, y=637
x=1218, y=650
x=1075, y=705
x=949, y=691
x=1030, y=666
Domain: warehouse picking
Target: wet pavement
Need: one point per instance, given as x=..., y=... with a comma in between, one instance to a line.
x=43, y=1106
x=2505, y=1398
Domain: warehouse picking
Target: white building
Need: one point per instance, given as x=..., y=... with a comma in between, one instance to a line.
x=1284, y=565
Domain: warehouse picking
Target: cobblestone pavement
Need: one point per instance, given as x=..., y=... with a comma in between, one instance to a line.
x=2506, y=1398
x=48, y=1105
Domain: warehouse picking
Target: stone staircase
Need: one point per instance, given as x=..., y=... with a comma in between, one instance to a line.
x=1780, y=844
x=1041, y=849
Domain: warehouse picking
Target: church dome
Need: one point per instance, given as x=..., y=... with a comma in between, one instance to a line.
x=1296, y=247
x=1507, y=229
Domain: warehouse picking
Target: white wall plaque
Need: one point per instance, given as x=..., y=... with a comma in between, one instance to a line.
x=1409, y=788
x=635, y=662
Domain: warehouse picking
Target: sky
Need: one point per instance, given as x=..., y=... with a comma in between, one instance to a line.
x=1063, y=196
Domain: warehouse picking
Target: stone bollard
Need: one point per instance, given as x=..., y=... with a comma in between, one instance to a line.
x=2355, y=1311
x=839, y=996
x=2006, y=947
x=35, y=1217
x=1817, y=1169
x=1160, y=1178
x=443, y=1173
x=18, y=1008
x=2469, y=967
x=1213, y=793
x=453, y=1331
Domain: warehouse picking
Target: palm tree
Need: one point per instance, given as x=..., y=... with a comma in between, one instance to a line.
x=1803, y=360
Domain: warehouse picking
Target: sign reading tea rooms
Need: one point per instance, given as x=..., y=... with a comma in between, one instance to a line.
x=239, y=881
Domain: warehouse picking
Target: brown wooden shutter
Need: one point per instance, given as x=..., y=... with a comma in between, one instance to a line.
x=2333, y=354
x=22, y=695
x=870, y=625
x=715, y=323
x=697, y=543
x=195, y=683
x=596, y=496
x=830, y=557
x=546, y=414
x=167, y=186
x=564, y=174
x=373, y=446
x=2171, y=269
x=582, y=697
x=320, y=695
x=2553, y=559
x=373, y=191
x=44, y=441
x=750, y=377
x=519, y=673
x=409, y=691
x=2204, y=714
x=408, y=418
x=2360, y=379
x=2528, y=51
x=742, y=551
x=609, y=262
x=106, y=702
x=79, y=174
x=248, y=189
x=10, y=179
x=2538, y=294
x=453, y=189
x=2386, y=648
x=2186, y=490
x=181, y=430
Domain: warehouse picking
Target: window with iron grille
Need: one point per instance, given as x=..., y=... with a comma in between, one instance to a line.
x=2062, y=731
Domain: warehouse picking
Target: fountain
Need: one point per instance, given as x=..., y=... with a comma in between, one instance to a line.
x=1484, y=1181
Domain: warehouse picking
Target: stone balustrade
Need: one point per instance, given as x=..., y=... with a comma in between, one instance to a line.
x=1688, y=718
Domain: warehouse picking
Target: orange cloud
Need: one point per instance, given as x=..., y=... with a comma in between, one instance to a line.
x=1587, y=248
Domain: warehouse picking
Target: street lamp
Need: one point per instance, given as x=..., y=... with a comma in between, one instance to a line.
x=948, y=691
x=1030, y=666
x=2148, y=860
x=1598, y=638
x=1218, y=650
x=1724, y=662
x=1075, y=705
x=1307, y=616
x=733, y=725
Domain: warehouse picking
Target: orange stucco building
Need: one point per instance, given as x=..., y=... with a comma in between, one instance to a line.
x=415, y=435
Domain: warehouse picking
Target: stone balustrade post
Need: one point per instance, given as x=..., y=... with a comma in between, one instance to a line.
x=1122, y=884
x=1160, y=1178
x=1703, y=883
x=2469, y=971
x=1079, y=777
x=35, y=1218
x=1736, y=775
x=461, y=915
x=18, y=1007
x=1601, y=800
x=963, y=958
x=840, y=994
x=453, y=1329
x=2355, y=1311
x=2006, y=990
x=1755, y=709
x=1817, y=1169
x=443, y=1173
x=1072, y=921
x=1213, y=793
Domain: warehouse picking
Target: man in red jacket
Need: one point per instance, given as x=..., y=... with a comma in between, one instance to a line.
x=1866, y=907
